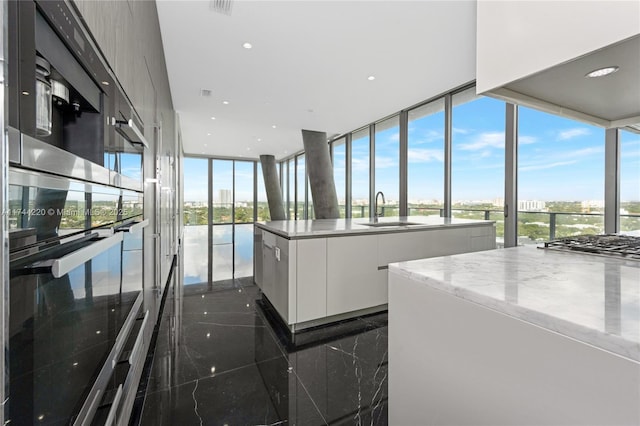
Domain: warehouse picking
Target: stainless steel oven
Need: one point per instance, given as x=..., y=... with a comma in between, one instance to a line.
x=76, y=328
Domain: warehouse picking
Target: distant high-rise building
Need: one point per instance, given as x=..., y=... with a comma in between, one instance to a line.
x=532, y=205
x=224, y=196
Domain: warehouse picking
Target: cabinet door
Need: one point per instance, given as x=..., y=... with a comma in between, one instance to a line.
x=268, y=264
x=311, y=279
x=353, y=281
x=284, y=286
x=257, y=256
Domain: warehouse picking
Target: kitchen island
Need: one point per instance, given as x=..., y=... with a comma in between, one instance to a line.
x=318, y=271
x=515, y=336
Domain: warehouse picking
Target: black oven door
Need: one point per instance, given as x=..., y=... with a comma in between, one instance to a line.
x=67, y=309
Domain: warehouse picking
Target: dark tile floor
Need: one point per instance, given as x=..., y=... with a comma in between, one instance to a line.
x=222, y=360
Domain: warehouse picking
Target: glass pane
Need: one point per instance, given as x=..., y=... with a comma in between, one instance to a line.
x=291, y=190
x=243, y=251
x=244, y=192
x=196, y=212
x=630, y=182
x=222, y=191
x=561, y=175
x=387, y=173
x=301, y=186
x=477, y=173
x=340, y=173
x=425, y=189
x=360, y=173
x=222, y=247
x=263, y=204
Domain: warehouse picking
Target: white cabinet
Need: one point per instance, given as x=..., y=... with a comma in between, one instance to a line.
x=353, y=279
x=310, y=281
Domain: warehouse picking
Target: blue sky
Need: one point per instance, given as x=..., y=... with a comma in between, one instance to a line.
x=559, y=159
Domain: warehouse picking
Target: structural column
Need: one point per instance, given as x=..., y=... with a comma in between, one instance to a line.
x=320, y=172
x=272, y=186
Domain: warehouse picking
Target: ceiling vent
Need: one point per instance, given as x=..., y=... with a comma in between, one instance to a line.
x=221, y=6
x=205, y=93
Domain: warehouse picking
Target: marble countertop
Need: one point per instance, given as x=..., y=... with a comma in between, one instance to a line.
x=593, y=299
x=295, y=229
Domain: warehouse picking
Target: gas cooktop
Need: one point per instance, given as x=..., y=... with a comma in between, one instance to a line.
x=625, y=246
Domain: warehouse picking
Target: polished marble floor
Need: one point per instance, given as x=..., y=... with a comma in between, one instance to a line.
x=221, y=359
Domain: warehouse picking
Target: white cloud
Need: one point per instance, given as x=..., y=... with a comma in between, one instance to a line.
x=395, y=137
x=385, y=162
x=545, y=166
x=572, y=133
x=425, y=155
x=460, y=131
x=485, y=140
x=526, y=140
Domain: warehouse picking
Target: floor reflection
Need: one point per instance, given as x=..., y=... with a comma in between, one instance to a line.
x=222, y=359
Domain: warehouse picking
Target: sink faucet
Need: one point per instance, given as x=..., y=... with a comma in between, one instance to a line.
x=381, y=214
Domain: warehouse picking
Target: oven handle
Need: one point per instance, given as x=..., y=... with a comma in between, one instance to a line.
x=65, y=264
x=133, y=228
x=111, y=417
x=137, y=345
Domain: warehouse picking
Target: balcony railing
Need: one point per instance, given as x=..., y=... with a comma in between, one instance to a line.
x=532, y=225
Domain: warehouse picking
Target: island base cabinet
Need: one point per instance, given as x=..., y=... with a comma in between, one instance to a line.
x=472, y=365
x=354, y=281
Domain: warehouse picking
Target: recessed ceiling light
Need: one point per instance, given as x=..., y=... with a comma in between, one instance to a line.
x=259, y=140
x=274, y=126
x=247, y=45
x=105, y=83
x=213, y=118
x=601, y=72
x=208, y=134
x=371, y=78
x=225, y=102
x=248, y=148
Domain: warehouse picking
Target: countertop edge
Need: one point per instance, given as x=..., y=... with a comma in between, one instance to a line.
x=617, y=345
x=371, y=230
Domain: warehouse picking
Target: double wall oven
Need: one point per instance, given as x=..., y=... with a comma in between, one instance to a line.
x=77, y=328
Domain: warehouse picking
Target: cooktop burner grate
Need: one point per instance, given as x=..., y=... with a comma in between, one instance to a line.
x=609, y=245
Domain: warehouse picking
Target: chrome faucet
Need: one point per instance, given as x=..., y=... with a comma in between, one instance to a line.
x=381, y=214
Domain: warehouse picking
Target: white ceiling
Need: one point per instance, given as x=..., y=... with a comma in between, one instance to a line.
x=308, y=67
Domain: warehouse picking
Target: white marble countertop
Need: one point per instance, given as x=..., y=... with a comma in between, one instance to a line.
x=295, y=229
x=593, y=299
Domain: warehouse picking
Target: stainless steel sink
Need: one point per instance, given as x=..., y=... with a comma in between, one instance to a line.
x=383, y=224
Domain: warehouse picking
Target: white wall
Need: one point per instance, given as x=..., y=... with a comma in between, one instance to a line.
x=518, y=38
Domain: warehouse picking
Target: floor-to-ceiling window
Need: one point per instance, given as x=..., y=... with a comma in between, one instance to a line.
x=425, y=168
x=218, y=215
x=477, y=158
x=243, y=224
x=338, y=149
x=629, y=182
x=291, y=189
x=263, y=213
x=196, y=220
x=360, y=173
x=301, y=187
x=560, y=176
x=222, y=230
x=387, y=161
